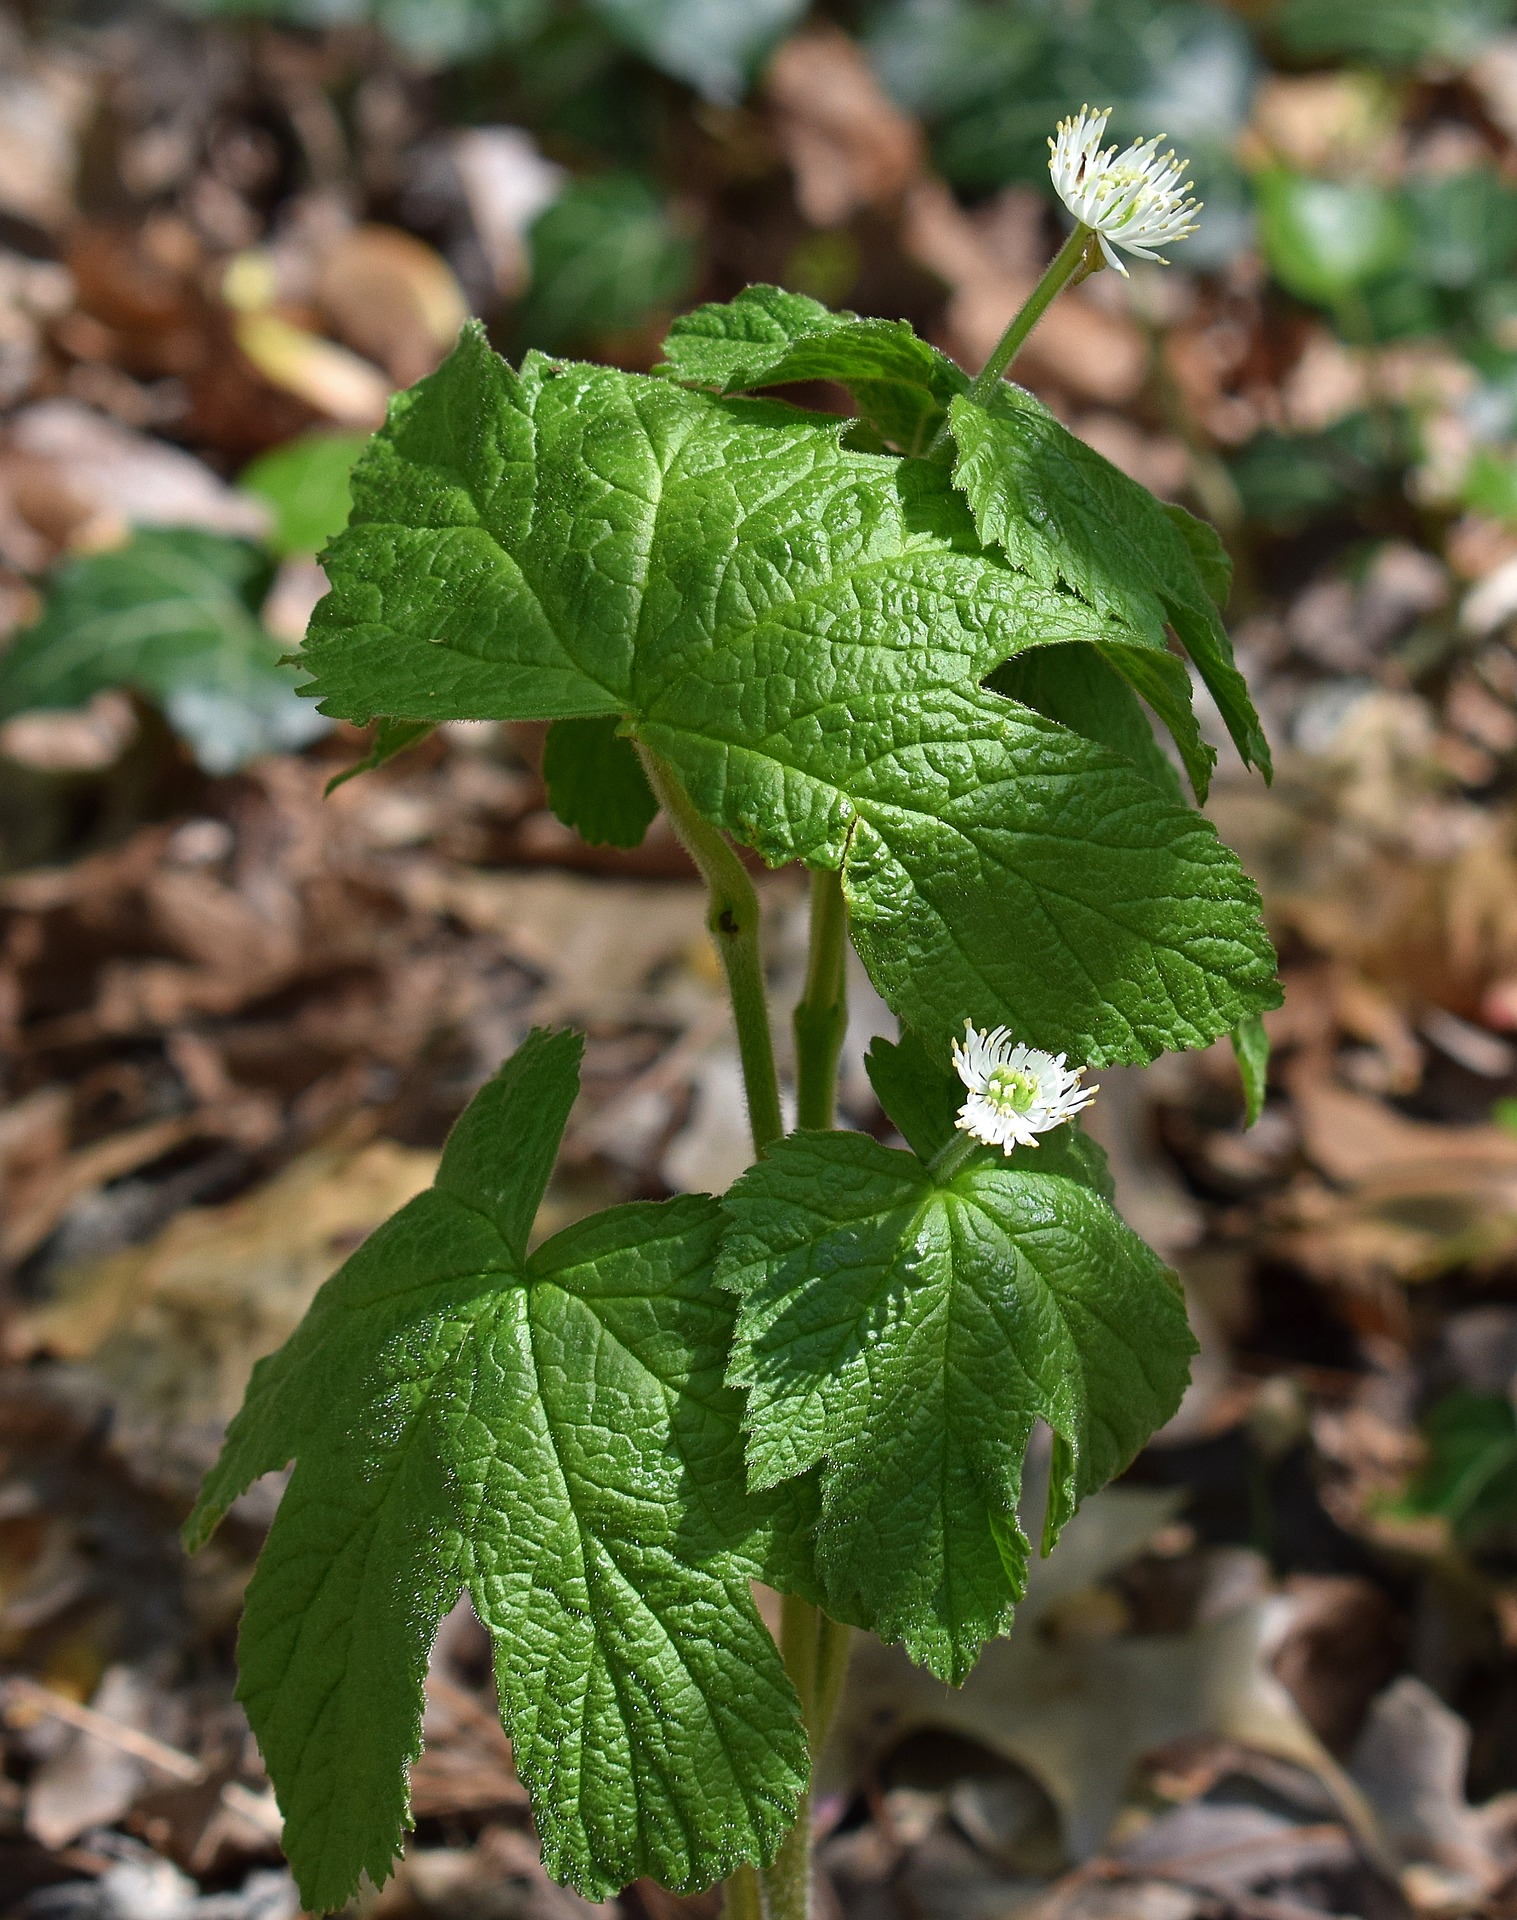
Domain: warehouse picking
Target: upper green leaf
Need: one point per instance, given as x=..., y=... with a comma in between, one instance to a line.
x=1063, y=512
x=801, y=631
x=767, y=337
x=172, y=616
x=552, y=1432
x=907, y=1334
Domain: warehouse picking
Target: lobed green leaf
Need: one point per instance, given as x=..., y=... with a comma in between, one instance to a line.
x=551, y=1432
x=801, y=630
x=767, y=337
x=906, y=1334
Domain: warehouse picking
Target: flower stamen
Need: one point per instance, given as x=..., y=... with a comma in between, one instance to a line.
x=1016, y=1092
x=1136, y=199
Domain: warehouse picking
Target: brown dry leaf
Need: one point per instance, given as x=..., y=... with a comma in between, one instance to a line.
x=173, y=1327
x=990, y=265
x=392, y=298
x=117, y=478
x=1076, y=1700
x=465, y=1764
x=1411, y=1761
x=332, y=380
x=850, y=146
x=1420, y=1198
x=44, y=101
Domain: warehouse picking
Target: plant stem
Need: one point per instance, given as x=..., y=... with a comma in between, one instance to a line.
x=814, y=1648
x=821, y=1014
x=1065, y=264
x=815, y=1651
x=732, y=915
x=742, y=1896
x=946, y=1162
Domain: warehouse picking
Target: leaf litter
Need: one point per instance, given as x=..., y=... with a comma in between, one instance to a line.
x=1271, y=1674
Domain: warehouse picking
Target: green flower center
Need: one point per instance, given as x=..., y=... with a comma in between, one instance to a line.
x=1009, y=1090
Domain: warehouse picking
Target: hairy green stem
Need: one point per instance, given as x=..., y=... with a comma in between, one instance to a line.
x=821, y=1014
x=814, y=1648
x=742, y=1895
x=1065, y=264
x=732, y=915
x=946, y=1162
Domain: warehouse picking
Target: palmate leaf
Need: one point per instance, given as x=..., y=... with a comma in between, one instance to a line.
x=552, y=1432
x=802, y=631
x=906, y=1332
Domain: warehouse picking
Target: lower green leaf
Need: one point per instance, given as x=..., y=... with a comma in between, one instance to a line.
x=1251, y=1045
x=553, y=1433
x=907, y=1334
x=596, y=783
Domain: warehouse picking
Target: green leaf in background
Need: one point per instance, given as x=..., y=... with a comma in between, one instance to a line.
x=1326, y=239
x=1395, y=32
x=907, y=1334
x=993, y=80
x=766, y=337
x=306, y=483
x=552, y=1433
x=605, y=256
x=596, y=782
x=1251, y=1046
x=1285, y=479
x=802, y=631
x=1464, y=226
x=1065, y=513
x=172, y=616
x=1469, y=1477
x=433, y=32
x=714, y=45
x=1490, y=484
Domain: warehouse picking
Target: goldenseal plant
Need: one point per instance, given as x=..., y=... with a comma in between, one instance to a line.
x=916, y=651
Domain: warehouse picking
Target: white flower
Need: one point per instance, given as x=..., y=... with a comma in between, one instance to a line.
x=1015, y=1092
x=1135, y=200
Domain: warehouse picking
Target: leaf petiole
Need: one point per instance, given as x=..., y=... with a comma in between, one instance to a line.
x=821, y=1014
x=732, y=916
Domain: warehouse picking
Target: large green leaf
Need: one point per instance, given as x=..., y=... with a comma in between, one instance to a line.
x=1065, y=513
x=172, y=616
x=552, y=1432
x=906, y=1332
x=802, y=631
